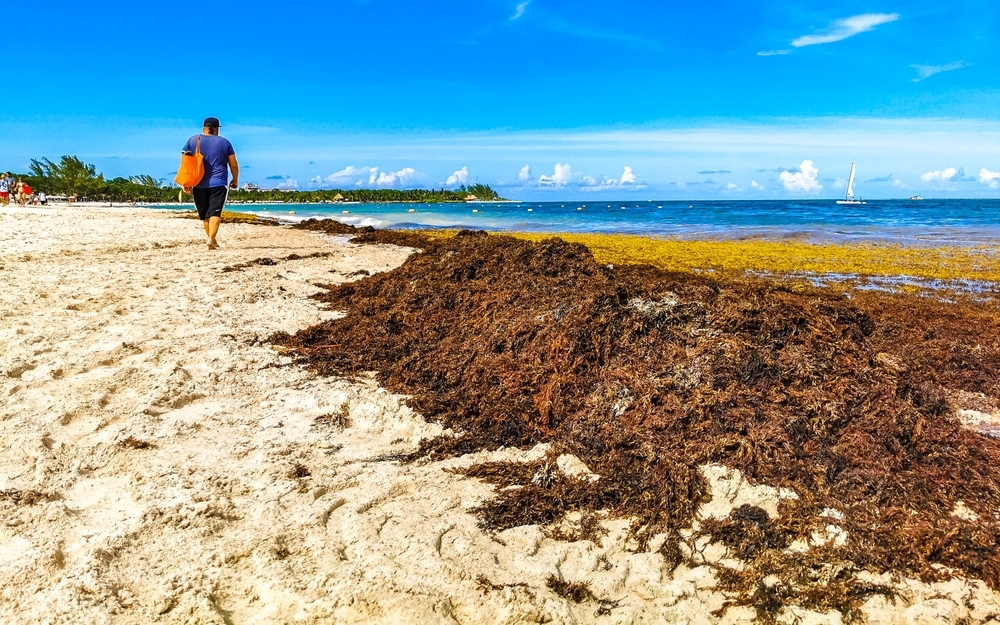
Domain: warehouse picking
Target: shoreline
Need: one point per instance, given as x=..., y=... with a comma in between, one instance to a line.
x=171, y=465
x=943, y=268
x=965, y=267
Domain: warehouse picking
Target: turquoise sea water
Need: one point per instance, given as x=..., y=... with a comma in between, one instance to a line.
x=928, y=221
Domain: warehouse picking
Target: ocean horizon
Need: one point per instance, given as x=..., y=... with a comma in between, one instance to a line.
x=929, y=221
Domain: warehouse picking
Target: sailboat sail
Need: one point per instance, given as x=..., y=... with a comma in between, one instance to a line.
x=849, y=198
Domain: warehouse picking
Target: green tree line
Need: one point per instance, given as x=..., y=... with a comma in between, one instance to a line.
x=480, y=191
x=72, y=177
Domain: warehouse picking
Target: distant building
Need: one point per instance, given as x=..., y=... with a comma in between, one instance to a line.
x=249, y=186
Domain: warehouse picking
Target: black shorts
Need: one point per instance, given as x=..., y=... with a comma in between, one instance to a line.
x=210, y=201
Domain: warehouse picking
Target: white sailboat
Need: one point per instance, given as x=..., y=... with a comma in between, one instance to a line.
x=849, y=197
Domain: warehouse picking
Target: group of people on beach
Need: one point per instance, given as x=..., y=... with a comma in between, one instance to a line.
x=18, y=190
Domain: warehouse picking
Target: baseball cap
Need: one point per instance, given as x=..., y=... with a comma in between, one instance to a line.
x=211, y=122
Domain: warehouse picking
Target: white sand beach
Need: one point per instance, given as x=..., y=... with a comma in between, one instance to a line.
x=160, y=462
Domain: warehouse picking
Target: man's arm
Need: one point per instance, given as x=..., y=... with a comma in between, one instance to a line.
x=235, y=168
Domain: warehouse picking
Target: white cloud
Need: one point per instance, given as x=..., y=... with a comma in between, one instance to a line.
x=773, y=52
x=525, y=174
x=348, y=172
x=600, y=183
x=942, y=175
x=562, y=175
x=847, y=27
x=755, y=186
x=288, y=183
x=926, y=71
x=802, y=180
x=392, y=179
x=519, y=11
x=459, y=177
x=341, y=177
x=899, y=183
x=991, y=178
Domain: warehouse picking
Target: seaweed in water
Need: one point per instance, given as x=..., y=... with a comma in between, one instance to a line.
x=645, y=375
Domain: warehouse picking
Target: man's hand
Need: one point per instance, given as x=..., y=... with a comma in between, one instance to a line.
x=235, y=168
x=187, y=190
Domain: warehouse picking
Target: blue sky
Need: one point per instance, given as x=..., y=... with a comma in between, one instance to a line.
x=545, y=99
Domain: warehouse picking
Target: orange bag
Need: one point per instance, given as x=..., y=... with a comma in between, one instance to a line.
x=192, y=168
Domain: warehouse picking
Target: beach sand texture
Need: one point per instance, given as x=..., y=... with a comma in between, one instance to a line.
x=161, y=462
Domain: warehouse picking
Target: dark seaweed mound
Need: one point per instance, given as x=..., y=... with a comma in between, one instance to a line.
x=330, y=226
x=646, y=374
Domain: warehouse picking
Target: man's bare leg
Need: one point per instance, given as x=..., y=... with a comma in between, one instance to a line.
x=206, y=224
x=212, y=228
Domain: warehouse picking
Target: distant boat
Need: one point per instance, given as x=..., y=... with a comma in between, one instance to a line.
x=849, y=197
x=915, y=198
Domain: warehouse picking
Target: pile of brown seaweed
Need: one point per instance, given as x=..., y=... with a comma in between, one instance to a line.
x=368, y=234
x=645, y=375
x=330, y=226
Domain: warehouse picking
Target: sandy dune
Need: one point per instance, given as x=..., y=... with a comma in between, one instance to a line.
x=185, y=472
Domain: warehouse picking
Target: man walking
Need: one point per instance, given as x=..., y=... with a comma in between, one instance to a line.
x=210, y=194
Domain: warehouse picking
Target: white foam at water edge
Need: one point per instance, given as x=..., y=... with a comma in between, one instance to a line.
x=361, y=222
x=275, y=215
x=358, y=221
x=285, y=217
x=354, y=220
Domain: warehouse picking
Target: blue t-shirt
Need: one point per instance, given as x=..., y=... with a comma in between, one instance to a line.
x=216, y=151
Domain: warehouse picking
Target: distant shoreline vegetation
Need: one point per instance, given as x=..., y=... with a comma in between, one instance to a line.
x=463, y=193
x=72, y=177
